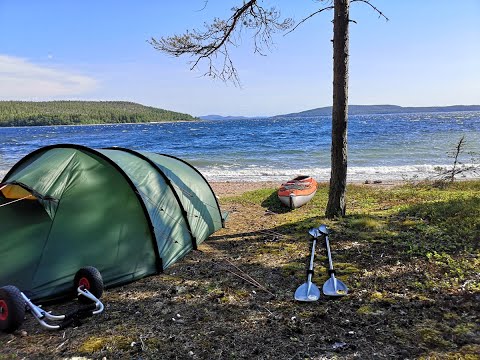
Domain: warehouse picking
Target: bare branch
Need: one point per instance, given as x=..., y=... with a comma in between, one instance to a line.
x=445, y=174
x=204, y=5
x=309, y=16
x=380, y=14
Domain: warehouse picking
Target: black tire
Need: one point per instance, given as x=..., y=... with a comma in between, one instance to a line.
x=12, y=308
x=91, y=279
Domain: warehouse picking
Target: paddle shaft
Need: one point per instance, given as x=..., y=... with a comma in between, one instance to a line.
x=310, y=272
x=309, y=291
x=330, y=262
x=333, y=286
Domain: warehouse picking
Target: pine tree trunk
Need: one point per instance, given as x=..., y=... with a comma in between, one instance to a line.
x=338, y=177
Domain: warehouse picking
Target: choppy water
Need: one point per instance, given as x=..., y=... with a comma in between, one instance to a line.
x=381, y=147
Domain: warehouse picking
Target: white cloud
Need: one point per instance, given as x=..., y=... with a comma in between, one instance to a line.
x=21, y=79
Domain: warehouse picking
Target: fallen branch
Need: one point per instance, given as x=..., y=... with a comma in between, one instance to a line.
x=246, y=277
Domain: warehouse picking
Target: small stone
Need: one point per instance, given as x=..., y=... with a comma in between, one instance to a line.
x=339, y=345
x=181, y=289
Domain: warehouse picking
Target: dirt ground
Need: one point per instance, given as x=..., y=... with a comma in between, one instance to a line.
x=233, y=298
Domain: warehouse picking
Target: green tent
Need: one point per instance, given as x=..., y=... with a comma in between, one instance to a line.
x=127, y=213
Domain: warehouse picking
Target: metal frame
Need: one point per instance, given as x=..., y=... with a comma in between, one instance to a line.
x=42, y=316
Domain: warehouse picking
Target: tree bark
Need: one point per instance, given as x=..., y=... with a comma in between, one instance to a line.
x=338, y=178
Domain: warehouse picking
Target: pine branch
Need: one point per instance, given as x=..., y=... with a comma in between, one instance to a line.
x=214, y=42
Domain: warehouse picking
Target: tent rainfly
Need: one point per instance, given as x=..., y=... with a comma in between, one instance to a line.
x=128, y=213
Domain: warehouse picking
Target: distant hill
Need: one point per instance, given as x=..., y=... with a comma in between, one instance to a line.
x=220, y=117
x=355, y=110
x=32, y=113
x=382, y=109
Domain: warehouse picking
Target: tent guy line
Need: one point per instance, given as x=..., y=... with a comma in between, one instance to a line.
x=14, y=201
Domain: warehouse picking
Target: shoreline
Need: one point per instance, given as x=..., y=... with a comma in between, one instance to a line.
x=101, y=124
x=238, y=187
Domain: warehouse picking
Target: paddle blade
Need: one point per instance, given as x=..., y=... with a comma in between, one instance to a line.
x=323, y=229
x=306, y=293
x=314, y=232
x=334, y=287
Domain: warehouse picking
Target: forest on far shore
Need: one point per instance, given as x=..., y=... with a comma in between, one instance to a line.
x=32, y=113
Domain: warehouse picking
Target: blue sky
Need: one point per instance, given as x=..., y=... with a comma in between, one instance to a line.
x=427, y=54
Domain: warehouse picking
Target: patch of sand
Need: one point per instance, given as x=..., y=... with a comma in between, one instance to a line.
x=232, y=188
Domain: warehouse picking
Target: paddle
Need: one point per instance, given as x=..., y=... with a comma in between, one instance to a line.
x=309, y=291
x=333, y=286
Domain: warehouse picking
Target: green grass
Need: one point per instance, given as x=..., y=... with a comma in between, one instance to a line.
x=440, y=225
x=421, y=219
x=109, y=343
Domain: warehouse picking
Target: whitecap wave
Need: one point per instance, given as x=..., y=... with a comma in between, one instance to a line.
x=380, y=173
x=355, y=174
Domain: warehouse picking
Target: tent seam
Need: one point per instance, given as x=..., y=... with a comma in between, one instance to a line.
x=170, y=185
x=203, y=177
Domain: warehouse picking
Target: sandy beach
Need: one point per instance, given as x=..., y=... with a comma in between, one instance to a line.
x=233, y=188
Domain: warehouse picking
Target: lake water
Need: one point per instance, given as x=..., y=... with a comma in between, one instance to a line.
x=381, y=147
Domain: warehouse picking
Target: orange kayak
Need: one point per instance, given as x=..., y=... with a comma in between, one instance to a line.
x=298, y=191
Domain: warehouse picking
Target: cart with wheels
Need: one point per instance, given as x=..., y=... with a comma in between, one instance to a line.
x=88, y=285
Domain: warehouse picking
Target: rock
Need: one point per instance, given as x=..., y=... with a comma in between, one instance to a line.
x=339, y=345
x=181, y=289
